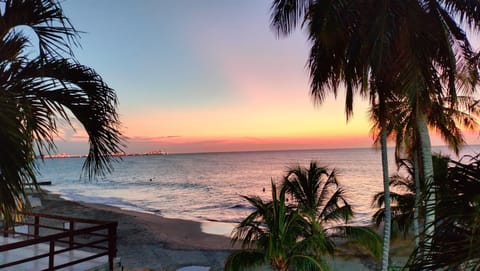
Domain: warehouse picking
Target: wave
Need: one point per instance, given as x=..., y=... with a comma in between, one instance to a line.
x=242, y=206
x=224, y=206
x=73, y=195
x=226, y=221
x=208, y=186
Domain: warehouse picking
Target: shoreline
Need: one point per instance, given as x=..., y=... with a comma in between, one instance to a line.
x=207, y=226
x=147, y=241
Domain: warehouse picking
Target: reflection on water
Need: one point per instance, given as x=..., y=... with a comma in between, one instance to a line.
x=207, y=187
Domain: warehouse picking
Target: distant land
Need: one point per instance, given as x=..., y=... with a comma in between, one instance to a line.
x=67, y=155
x=471, y=149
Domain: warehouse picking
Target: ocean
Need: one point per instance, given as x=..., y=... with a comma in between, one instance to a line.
x=207, y=187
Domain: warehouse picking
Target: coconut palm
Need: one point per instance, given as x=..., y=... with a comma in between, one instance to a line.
x=353, y=41
x=317, y=193
x=321, y=201
x=435, y=73
x=403, y=215
x=41, y=92
x=340, y=54
x=443, y=118
x=276, y=234
x=299, y=235
x=403, y=202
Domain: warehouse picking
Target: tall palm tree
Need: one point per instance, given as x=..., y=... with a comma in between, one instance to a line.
x=341, y=53
x=435, y=73
x=36, y=91
x=443, y=118
x=355, y=40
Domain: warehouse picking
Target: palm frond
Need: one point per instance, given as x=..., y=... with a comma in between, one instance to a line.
x=37, y=91
x=286, y=14
x=16, y=162
x=244, y=260
x=57, y=85
x=12, y=47
x=364, y=236
x=467, y=11
x=46, y=18
x=308, y=263
x=309, y=186
x=336, y=209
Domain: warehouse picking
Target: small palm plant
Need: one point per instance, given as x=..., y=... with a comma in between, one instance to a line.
x=403, y=199
x=275, y=233
x=296, y=236
x=322, y=202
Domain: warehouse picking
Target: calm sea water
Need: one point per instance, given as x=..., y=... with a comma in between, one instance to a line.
x=207, y=187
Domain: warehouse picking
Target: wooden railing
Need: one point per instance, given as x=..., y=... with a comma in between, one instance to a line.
x=64, y=234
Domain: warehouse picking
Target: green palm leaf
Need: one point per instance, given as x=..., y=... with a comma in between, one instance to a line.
x=362, y=235
x=244, y=260
x=45, y=17
x=37, y=92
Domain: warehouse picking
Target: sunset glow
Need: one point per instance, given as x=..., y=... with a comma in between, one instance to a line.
x=188, y=83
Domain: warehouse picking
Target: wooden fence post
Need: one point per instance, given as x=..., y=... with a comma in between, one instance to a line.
x=36, y=227
x=51, y=255
x=71, y=229
x=112, y=244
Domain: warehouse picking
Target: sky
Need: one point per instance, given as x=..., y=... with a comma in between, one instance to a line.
x=208, y=76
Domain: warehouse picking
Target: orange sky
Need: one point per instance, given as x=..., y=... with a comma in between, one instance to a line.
x=199, y=78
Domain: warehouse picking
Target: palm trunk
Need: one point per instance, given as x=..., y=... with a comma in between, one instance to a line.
x=427, y=164
x=416, y=207
x=388, y=212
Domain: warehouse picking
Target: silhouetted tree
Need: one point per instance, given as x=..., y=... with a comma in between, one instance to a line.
x=36, y=91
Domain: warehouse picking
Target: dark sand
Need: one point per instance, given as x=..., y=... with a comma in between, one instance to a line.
x=151, y=242
x=146, y=240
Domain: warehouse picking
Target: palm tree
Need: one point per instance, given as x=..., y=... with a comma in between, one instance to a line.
x=403, y=212
x=321, y=201
x=39, y=90
x=276, y=234
x=457, y=237
x=339, y=54
x=310, y=187
x=403, y=203
x=443, y=118
x=353, y=41
x=297, y=236
x=435, y=73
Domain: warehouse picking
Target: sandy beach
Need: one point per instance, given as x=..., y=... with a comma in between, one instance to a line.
x=150, y=242
x=146, y=241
